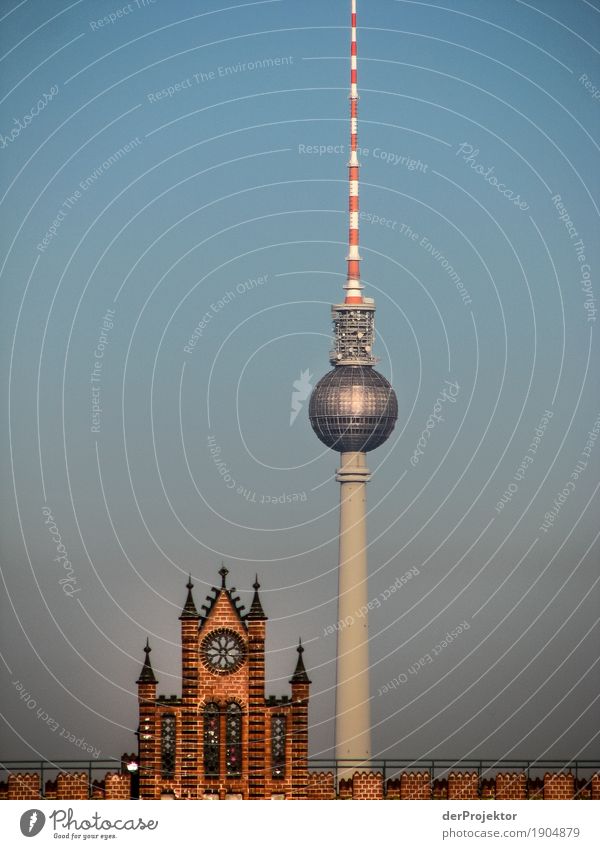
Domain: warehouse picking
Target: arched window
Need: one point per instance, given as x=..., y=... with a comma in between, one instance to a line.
x=278, y=746
x=167, y=745
x=212, y=739
x=233, y=753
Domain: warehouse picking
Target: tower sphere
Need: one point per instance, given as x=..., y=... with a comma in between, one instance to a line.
x=353, y=408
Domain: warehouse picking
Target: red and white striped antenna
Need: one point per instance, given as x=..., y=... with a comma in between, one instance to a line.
x=353, y=286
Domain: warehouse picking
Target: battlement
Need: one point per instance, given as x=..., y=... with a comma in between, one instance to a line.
x=363, y=785
x=458, y=785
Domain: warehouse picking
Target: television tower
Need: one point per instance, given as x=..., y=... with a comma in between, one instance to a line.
x=353, y=409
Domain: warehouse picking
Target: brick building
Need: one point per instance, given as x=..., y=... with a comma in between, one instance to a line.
x=223, y=738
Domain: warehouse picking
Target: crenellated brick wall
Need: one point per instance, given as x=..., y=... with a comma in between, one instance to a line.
x=511, y=785
x=72, y=785
x=117, y=785
x=367, y=785
x=24, y=786
x=67, y=785
x=559, y=785
x=321, y=785
x=415, y=785
x=458, y=785
x=463, y=785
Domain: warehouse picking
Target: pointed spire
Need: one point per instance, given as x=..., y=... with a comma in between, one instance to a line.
x=223, y=572
x=256, y=611
x=300, y=675
x=189, y=608
x=147, y=673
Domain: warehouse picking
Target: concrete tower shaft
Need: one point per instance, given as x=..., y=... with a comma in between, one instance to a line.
x=352, y=701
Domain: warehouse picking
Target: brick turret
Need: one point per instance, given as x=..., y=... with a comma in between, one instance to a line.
x=300, y=694
x=187, y=754
x=255, y=622
x=149, y=754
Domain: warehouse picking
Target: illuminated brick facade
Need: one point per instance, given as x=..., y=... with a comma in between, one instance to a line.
x=223, y=738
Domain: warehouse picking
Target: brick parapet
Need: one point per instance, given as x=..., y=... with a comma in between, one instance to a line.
x=320, y=785
x=463, y=785
x=415, y=785
x=511, y=785
x=117, y=785
x=367, y=785
x=72, y=785
x=25, y=785
x=559, y=785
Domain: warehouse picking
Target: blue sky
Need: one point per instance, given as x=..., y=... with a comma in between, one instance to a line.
x=186, y=174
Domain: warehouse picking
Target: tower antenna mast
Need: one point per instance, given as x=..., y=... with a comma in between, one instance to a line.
x=353, y=285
